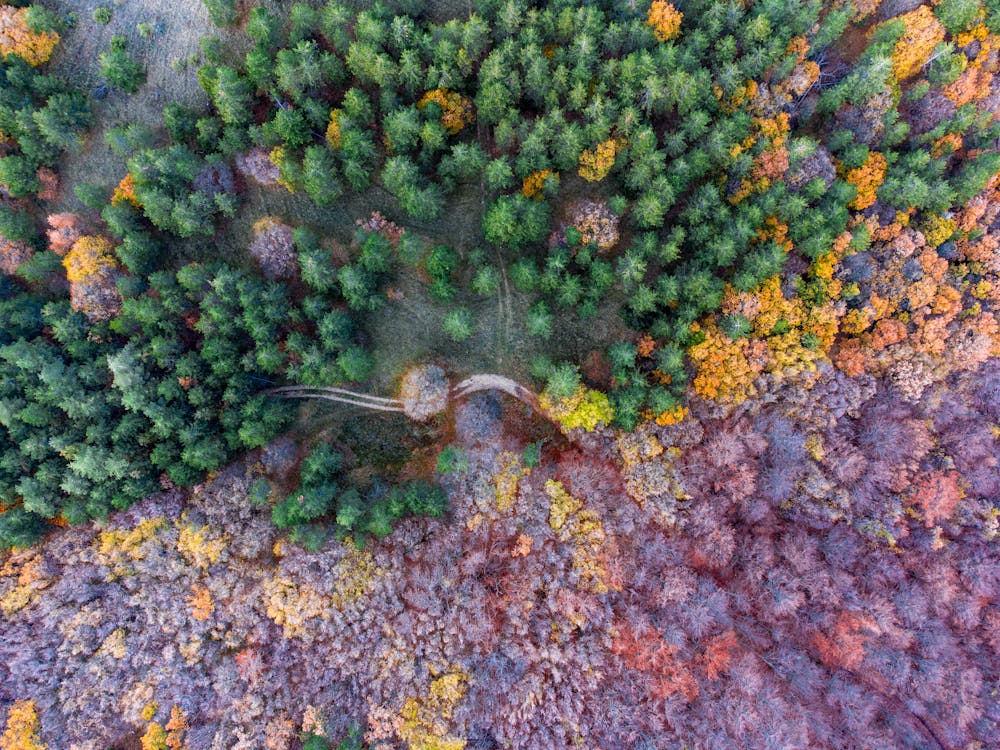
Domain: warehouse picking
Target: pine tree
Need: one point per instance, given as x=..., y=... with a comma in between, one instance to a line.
x=319, y=176
x=120, y=70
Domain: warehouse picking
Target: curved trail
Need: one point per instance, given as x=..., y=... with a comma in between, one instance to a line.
x=473, y=384
x=496, y=383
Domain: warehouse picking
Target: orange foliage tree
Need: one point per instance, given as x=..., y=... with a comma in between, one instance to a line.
x=769, y=140
x=924, y=316
x=13, y=254
x=643, y=649
x=719, y=653
x=64, y=231
x=125, y=192
x=724, y=372
x=923, y=33
x=844, y=646
x=867, y=179
x=937, y=494
x=200, y=602
x=534, y=182
x=787, y=337
x=49, y=182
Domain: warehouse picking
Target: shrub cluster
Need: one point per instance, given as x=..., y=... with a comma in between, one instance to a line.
x=326, y=492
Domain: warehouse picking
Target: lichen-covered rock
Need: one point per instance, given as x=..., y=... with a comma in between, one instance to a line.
x=274, y=248
x=257, y=165
x=424, y=392
x=595, y=223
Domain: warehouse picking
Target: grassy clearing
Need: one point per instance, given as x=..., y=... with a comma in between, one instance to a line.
x=404, y=331
x=180, y=24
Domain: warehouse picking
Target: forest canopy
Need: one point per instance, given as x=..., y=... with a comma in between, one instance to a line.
x=522, y=374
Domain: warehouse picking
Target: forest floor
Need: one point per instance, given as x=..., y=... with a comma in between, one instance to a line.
x=403, y=332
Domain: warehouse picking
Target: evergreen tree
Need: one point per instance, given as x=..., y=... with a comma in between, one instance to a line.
x=118, y=69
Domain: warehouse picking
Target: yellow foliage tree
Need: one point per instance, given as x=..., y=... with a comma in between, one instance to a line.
x=424, y=721
x=22, y=728
x=31, y=579
x=333, y=131
x=91, y=255
x=938, y=229
x=586, y=408
x=292, y=605
x=511, y=470
x=583, y=529
x=597, y=162
x=155, y=737
x=92, y=271
x=117, y=548
x=197, y=546
x=787, y=336
x=17, y=39
x=562, y=505
x=664, y=19
x=923, y=33
x=169, y=737
x=279, y=158
x=356, y=573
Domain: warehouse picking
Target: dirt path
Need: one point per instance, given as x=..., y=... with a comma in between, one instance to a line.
x=485, y=382
x=468, y=386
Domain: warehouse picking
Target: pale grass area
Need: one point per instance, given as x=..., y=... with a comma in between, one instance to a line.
x=181, y=23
